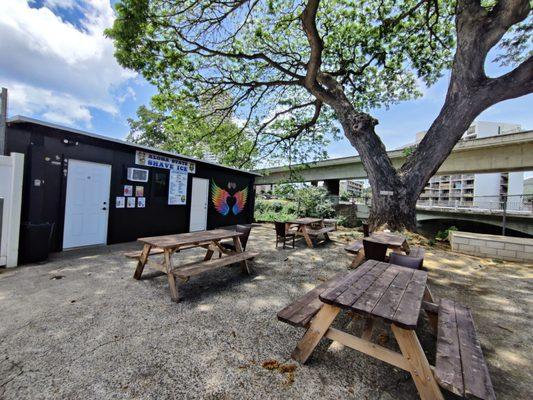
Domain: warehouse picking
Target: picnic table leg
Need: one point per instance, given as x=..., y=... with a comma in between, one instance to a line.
x=318, y=328
x=209, y=254
x=306, y=236
x=244, y=263
x=405, y=247
x=142, y=262
x=420, y=369
x=170, y=275
x=326, y=236
x=367, y=329
x=432, y=317
x=358, y=259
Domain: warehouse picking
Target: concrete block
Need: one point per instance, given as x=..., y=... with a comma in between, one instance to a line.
x=524, y=257
x=514, y=247
x=507, y=253
x=466, y=247
x=459, y=240
x=495, y=245
x=528, y=249
x=489, y=251
x=480, y=243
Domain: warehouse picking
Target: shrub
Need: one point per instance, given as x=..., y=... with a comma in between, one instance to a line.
x=444, y=235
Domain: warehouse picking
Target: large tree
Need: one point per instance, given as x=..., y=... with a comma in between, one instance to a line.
x=292, y=66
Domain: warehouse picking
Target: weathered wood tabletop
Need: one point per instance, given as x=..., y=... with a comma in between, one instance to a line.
x=305, y=221
x=182, y=239
x=382, y=290
x=392, y=240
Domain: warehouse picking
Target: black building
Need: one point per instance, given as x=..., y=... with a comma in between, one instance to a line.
x=97, y=190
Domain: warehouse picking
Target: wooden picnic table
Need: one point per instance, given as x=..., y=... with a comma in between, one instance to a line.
x=396, y=295
x=306, y=230
x=392, y=240
x=376, y=290
x=209, y=240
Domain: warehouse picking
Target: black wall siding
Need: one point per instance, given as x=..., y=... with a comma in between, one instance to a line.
x=46, y=159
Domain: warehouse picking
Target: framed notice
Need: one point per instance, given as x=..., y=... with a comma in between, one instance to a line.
x=141, y=202
x=128, y=190
x=120, y=202
x=177, y=188
x=131, y=202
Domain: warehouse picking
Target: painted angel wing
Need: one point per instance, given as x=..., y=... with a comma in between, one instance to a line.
x=219, y=197
x=240, y=198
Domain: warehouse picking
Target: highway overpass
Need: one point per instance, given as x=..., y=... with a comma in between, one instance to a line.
x=511, y=152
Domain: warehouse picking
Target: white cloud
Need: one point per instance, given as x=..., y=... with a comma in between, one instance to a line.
x=57, y=70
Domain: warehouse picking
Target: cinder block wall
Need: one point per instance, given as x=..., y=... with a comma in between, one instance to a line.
x=492, y=246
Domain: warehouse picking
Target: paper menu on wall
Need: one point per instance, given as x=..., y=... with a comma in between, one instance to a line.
x=177, y=188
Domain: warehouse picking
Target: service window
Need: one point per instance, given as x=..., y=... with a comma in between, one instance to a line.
x=160, y=184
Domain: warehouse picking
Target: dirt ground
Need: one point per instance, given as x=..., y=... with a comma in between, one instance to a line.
x=79, y=327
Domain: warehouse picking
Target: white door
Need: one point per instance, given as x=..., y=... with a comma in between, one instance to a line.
x=199, y=203
x=87, y=204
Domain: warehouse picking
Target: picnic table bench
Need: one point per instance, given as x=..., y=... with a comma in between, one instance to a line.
x=170, y=244
x=310, y=227
x=397, y=295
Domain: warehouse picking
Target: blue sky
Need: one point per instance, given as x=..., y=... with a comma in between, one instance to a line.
x=60, y=68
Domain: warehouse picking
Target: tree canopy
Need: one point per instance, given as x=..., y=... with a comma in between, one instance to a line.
x=175, y=122
x=381, y=51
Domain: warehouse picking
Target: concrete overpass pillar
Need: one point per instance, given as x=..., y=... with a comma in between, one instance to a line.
x=333, y=186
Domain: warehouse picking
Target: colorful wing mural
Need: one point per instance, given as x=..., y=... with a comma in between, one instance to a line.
x=240, y=202
x=220, y=199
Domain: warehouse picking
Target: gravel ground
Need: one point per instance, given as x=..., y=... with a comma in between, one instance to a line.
x=79, y=327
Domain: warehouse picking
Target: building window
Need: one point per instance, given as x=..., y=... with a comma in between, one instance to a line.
x=160, y=184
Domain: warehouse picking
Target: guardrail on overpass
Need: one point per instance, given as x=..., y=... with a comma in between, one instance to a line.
x=510, y=152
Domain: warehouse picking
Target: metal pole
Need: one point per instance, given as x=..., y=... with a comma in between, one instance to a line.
x=3, y=118
x=504, y=214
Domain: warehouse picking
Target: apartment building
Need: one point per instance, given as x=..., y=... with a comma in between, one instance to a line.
x=351, y=188
x=477, y=190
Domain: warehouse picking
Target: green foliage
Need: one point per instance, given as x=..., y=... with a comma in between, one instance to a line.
x=517, y=44
x=274, y=210
x=307, y=202
x=256, y=52
x=174, y=122
x=407, y=151
x=444, y=235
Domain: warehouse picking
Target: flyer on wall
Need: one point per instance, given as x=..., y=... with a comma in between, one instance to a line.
x=128, y=190
x=131, y=202
x=120, y=202
x=177, y=188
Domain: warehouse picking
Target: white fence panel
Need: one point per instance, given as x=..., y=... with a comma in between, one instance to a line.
x=11, y=173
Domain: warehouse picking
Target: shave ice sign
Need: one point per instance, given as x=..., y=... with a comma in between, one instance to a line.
x=158, y=161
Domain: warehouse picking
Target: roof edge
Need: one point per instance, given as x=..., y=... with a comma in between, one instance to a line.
x=22, y=119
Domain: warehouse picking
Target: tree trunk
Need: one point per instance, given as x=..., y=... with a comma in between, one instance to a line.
x=397, y=211
x=393, y=203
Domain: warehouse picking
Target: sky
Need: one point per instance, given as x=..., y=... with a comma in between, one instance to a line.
x=59, y=67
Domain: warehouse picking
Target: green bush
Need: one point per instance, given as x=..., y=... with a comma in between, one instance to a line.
x=309, y=202
x=443, y=235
